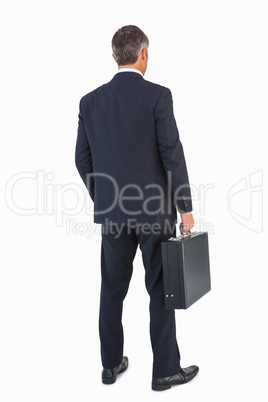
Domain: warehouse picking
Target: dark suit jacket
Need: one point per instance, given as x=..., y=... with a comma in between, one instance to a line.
x=129, y=154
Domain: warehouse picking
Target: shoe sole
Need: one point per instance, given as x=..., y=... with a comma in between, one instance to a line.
x=109, y=381
x=163, y=387
x=160, y=387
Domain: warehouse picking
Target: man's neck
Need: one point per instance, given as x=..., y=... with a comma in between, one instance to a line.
x=130, y=69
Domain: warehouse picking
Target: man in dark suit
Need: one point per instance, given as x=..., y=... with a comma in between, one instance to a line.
x=130, y=157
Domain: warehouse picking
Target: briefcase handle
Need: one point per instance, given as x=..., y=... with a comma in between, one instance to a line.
x=182, y=231
x=184, y=235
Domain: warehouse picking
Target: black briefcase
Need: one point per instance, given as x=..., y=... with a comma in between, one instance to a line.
x=186, y=269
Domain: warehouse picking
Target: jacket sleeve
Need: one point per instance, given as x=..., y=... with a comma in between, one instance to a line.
x=83, y=157
x=171, y=152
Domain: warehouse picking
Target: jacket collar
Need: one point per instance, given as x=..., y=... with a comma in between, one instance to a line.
x=127, y=74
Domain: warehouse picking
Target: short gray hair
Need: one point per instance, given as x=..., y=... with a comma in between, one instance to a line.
x=127, y=43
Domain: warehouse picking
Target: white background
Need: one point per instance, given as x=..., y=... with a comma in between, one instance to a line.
x=213, y=57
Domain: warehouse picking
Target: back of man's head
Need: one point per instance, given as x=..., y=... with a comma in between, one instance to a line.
x=127, y=43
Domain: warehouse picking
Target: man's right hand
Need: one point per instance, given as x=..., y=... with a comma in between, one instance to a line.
x=187, y=221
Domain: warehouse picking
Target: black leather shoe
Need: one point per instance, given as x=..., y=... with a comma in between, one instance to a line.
x=185, y=375
x=109, y=375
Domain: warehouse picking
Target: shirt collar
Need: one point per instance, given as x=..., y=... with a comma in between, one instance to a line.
x=128, y=70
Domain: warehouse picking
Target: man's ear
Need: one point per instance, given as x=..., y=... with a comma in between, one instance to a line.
x=114, y=58
x=144, y=53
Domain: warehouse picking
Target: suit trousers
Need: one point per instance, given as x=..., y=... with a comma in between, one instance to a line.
x=119, y=246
